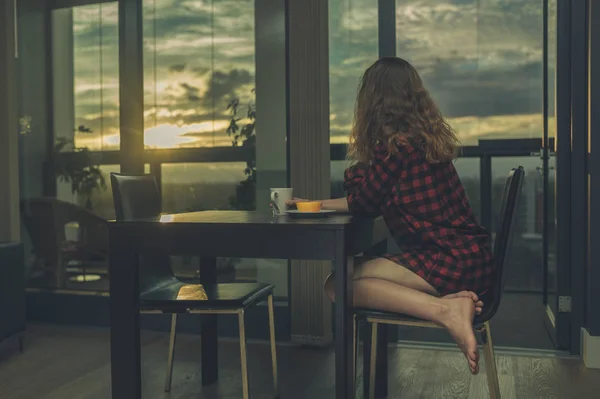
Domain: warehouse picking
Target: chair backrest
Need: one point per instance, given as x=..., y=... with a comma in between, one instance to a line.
x=137, y=197
x=504, y=239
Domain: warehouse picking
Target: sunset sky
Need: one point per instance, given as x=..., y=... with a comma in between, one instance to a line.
x=480, y=59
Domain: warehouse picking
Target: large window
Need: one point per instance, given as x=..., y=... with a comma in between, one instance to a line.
x=200, y=186
x=481, y=60
x=199, y=91
x=85, y=71
x=198, y=57
x=353, y=46
x=198, y=61
x=86, y=75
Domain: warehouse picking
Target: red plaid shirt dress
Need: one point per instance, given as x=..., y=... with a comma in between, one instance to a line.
x=428, y=214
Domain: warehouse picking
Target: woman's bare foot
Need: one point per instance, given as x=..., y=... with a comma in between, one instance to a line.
x=467, y=294
x=457, y=318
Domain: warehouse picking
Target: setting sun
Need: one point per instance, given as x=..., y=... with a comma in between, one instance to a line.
x=166, y=136
x=173, y=136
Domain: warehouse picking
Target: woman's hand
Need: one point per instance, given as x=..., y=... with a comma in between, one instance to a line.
x=338, y=204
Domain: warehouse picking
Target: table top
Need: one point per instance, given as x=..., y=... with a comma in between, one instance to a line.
x=244, y=234
x=233, y=218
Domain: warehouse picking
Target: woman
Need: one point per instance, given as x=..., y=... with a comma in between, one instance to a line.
x=404, y=150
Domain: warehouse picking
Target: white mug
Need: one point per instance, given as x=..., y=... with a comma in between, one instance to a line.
x=279, y=199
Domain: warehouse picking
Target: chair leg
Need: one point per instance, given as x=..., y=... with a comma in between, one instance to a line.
x=243, y=356
x=354, y=352
x=490, y=362
x=273, y=345
x=171, y=352
x=373, y=366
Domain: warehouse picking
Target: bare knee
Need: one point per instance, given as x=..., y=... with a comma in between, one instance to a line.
x=362, y=266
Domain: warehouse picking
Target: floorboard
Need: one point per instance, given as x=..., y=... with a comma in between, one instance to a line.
x=73, y=362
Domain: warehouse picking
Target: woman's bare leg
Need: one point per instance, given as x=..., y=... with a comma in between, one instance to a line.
x=384, y=269
x=417, y=299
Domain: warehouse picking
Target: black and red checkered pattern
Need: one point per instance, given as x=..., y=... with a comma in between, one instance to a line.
x=428, y=214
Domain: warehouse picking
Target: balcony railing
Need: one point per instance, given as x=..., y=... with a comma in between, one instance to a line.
x=485, y=151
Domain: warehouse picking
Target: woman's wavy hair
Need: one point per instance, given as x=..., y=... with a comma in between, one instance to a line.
x=394, y=108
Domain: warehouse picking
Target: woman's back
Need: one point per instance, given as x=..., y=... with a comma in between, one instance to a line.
x=428, y=213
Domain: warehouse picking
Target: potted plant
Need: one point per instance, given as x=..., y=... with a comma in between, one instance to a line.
x=78, y=168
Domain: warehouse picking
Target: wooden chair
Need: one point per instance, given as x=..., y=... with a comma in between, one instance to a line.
x=481, y=323
x=137, y=196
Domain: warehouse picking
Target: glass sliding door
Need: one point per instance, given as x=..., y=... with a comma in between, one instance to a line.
x=567, y=118
x=551, y=265
x=482, y=61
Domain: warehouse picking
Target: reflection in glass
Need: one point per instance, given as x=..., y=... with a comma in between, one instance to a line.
x=192, y=292
x=166, y=219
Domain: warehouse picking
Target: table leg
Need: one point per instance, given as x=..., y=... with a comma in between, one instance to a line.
x=381, y=376
x=343, y=265
x=365, y=334
x=124, y=323
x=209, y=338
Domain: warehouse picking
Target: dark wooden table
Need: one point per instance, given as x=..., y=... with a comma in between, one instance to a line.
x=239, y=234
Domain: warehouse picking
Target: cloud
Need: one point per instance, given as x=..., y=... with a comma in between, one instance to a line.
x=491, y=91
x=177, y=68
x=192, y=94
x=224, y=84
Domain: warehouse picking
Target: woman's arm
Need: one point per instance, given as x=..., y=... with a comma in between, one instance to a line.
x=336, y=204
x=367, y=186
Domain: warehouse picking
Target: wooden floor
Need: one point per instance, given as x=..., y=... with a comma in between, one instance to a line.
x=73, y=363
